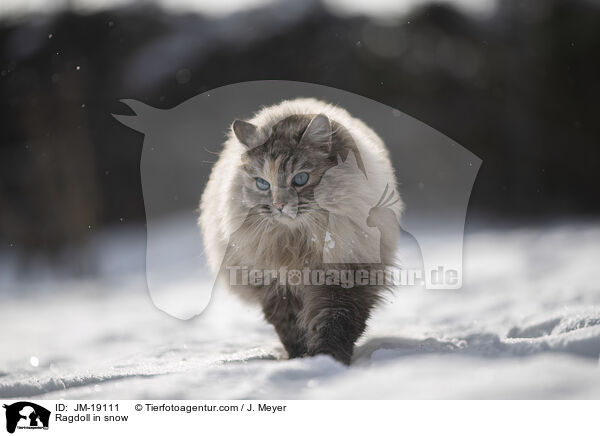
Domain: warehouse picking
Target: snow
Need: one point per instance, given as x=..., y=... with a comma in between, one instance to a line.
x=525, y=325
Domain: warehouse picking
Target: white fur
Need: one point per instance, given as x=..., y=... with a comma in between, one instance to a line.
x=355, y=195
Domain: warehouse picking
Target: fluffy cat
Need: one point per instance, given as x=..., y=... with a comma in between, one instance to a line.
x=294, y=188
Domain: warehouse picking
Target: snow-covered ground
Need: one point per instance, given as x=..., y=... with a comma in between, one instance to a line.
x=525, y=325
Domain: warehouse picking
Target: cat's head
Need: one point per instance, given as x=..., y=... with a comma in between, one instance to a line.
x=281, y=168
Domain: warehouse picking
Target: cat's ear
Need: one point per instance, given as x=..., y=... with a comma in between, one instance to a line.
x=318, y=132
x=248, y=134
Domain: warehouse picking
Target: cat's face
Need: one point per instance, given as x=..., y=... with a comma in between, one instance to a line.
x=280, y=171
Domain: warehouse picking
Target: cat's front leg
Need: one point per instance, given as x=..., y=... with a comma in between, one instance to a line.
x=281, y=309
x=335, y=318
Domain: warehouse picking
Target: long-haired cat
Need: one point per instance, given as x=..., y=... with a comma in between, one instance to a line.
x=292, y=191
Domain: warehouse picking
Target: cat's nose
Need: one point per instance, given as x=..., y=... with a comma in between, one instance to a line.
x=278, y=205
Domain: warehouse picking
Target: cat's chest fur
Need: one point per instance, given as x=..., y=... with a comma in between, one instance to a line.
x=275, y=246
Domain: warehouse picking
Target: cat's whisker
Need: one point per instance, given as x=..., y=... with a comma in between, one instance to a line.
x=211, y=152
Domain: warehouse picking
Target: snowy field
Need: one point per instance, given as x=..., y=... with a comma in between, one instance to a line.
x=525, y=325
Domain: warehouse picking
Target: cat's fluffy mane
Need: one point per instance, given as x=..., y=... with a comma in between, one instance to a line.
x=222, y=214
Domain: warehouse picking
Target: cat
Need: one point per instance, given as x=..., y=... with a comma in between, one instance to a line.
x=280, y=198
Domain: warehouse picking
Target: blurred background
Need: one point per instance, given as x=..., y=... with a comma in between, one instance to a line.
x=515, y=82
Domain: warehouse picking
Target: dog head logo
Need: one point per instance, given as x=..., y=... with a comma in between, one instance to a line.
x=26, y=415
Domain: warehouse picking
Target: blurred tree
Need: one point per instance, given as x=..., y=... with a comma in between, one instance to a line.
x=518, y=88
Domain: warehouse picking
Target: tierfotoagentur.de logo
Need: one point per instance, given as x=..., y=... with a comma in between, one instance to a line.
x=25, y=415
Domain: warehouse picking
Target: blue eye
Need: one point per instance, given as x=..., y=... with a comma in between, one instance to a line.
x=300, y=179
x=262, y=184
